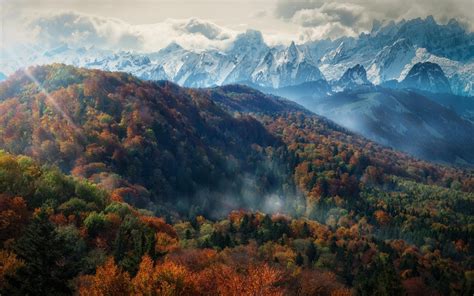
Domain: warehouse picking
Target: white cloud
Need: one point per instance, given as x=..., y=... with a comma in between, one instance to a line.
x=196, y=26
x=328, y=30
x=334, y=18
x=84, y=30
x=299, y=20
x=78, y=30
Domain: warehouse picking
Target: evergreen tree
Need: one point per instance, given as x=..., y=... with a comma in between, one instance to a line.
x=133, y=240
x=46, y=272
x=312, y=253
x=379, y=278
x=305, y=232
x=299, y=259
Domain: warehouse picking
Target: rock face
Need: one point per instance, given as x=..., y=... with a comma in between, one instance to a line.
x=427, y=76
x=284, y=68
x=354, y=77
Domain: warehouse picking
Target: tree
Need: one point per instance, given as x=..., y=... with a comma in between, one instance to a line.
x=133, y=240
x=311, y=253
x=144, y=282
x=45, y=271
x=13, y=217
x=262, y=280
x=379, y=278
x=174, y=279
x=299, y=259
x=9, y=264
x=109, y=280
x=95, y=223
x=165, y=243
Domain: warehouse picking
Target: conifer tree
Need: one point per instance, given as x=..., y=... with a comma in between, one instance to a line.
x=45, y=271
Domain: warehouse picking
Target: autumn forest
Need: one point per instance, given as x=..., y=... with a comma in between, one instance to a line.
x=111, y=185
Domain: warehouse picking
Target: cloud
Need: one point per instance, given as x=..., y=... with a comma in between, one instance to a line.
x=299, y=20
x=81, y=30
x=325, y=31
x=332, y=19
x=259, y=14
x=287, y=8
x=84, y=30
x=209, y=30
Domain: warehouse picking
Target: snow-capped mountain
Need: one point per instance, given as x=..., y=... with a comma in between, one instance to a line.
x=450, y=40
x=391, y=60
x=388, y=53
x=246, y=53
x=354, y=77
x=284, y=68
x=459, y=74
x=427, y=76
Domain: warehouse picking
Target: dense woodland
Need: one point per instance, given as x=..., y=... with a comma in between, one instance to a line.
x=114, y=186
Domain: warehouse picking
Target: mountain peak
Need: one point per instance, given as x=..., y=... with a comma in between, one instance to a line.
x=376, y=25
x=173, y=46
x=292, y=48
x=292, y=52
x=430, y=19
x=427, y=76
x=453, y=22
x=249, y=40
x=354, y=77
x=250, y=36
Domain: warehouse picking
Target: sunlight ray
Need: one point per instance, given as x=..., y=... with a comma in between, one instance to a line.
x=50, y=99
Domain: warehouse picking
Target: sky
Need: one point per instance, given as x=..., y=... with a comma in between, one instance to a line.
x=148, y=25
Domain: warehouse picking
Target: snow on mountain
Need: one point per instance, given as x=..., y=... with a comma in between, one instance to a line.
x=171, y=58
x=388, y=53
x=450, y=40
x=390, y=61
x=460, y=75
x=204, y=69
x=246, y=53
x=286, y=67
x=155, y=72
x=427, y=76
x=354, y=77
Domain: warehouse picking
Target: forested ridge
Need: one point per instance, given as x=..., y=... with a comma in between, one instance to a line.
x=146, y=188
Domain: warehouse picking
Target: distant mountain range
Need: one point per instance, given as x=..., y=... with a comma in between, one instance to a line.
x=418, y=115
x=403, y=119
x=388, y=53
x=406, y=85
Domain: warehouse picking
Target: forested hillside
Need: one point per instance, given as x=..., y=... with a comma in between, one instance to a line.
x=150, y=142
x=256, y=195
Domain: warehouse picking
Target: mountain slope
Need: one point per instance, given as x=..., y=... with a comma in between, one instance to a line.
x=120, y=131
x=427, y=76
x=353, y=78
x=464, y=106
x=404, y=120
x=358, y=208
